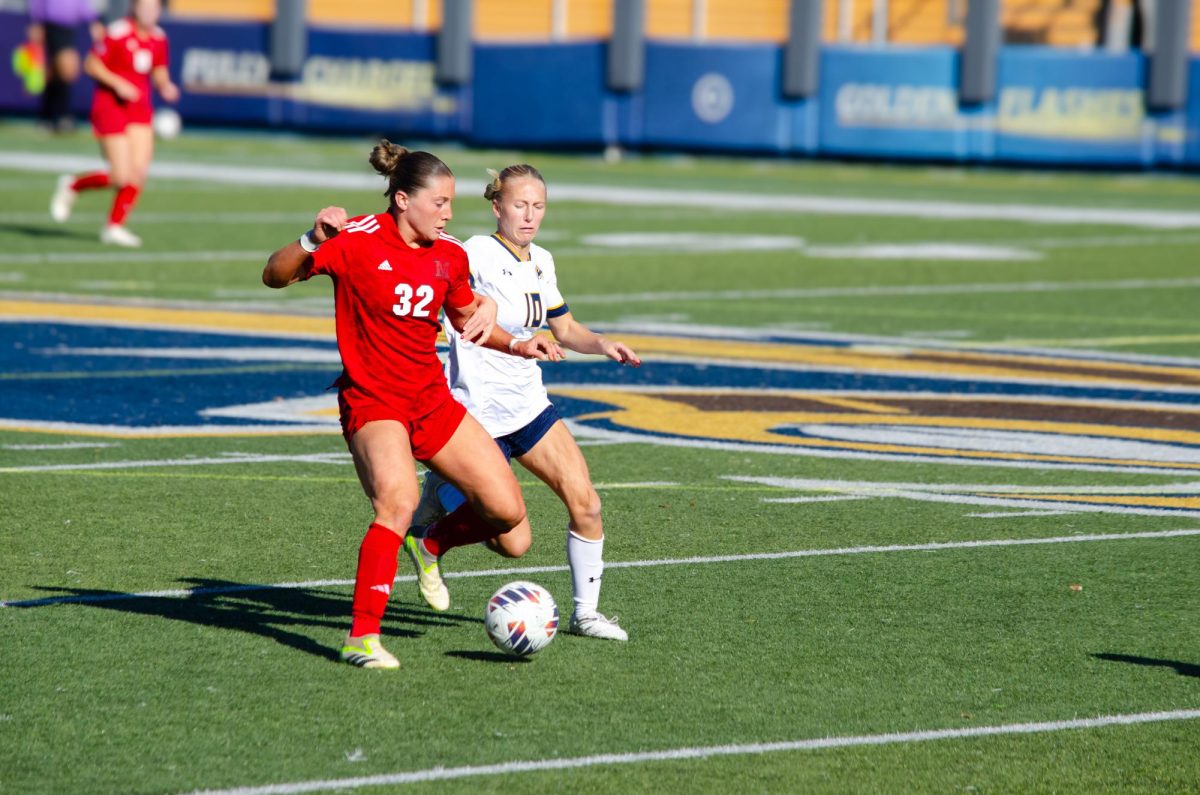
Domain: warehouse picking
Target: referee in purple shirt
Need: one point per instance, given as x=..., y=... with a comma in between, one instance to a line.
x=55, y=24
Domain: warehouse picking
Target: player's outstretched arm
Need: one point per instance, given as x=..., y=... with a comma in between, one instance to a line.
x=291, y=263
x=166, y=89
x=476, y=320
x=577, y=337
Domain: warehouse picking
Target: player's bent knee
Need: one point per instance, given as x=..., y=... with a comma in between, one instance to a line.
x=513, y=544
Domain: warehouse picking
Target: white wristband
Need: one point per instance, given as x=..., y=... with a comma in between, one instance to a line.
x=307, y=243
x=512, y=344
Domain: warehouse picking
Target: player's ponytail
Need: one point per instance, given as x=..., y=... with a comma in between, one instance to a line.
x=495, y=188
x=406, y=171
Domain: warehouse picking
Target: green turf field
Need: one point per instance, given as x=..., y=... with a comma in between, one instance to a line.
x=808, y=604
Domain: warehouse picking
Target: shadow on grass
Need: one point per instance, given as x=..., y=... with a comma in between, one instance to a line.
x=47, y=231
x=487, y=656
x=280, y=614
x=1181, y=668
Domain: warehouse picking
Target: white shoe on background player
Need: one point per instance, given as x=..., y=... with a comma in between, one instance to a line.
x=63, y=199
x=595, y=625
x=117, y=235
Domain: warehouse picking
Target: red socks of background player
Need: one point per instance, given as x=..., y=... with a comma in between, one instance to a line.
x=98, y=179
x=127, y=195
x=458, y=529
x=377, y=561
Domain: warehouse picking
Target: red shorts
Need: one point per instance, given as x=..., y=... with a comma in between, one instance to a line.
x=427, y=434
x=110, y=116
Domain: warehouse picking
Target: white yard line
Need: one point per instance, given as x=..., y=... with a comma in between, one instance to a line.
x=976, y=288
x=187, y=593
x=71, y=257
x=704, y=752
x=248, y=217
x=656, y=197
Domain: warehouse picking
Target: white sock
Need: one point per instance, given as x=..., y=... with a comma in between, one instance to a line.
x=586, y=558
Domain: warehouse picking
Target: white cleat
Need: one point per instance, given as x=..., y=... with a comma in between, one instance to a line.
x=63, y=199
x=429, y=509
x=117, y=235
x=366, y=651
x=429, y=576
x=595, y=625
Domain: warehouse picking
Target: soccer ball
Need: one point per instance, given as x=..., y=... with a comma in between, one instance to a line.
x=166, y=123
x=521, y=618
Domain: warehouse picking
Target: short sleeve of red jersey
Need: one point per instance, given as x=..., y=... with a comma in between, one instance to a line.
x=102, y=47
x=332, y=256
x=459, y=292
x=160, y=51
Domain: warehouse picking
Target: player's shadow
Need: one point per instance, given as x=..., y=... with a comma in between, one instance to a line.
x=46, y=231
x=1181, y=668
x=279, y=613
x=487, y=656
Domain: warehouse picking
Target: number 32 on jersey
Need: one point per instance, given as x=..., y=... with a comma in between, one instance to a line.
x=412, y=302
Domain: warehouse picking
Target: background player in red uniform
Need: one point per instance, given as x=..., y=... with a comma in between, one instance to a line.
x=392, y=274
x=130, y=58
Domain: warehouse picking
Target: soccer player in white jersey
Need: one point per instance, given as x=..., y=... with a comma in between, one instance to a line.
x=508, y=398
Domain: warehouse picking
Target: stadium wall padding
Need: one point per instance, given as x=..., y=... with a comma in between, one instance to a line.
x=1052, y=107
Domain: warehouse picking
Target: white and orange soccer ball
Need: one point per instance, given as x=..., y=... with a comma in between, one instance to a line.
x=521, y=618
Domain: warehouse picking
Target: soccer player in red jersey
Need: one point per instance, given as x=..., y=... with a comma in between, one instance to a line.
x=392, y=274
x=130, y=59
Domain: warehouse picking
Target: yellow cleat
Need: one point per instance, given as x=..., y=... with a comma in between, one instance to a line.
x=429, y=576
x=366, y=651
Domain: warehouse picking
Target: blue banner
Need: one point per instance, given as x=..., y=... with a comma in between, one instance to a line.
x=716, y=97
x=542, y=95
x=1052, y=106
x=350, y=80
x=1058, y=106
x=1191, y=130
x=896, y=103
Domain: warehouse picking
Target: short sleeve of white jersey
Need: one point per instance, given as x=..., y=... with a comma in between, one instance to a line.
x=552, y=299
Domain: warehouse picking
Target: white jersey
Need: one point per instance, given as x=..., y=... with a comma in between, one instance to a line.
x=505, y=393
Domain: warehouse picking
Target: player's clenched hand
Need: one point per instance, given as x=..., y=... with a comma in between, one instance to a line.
x=479, y=326
x=328, y=223
x=127, y=91
x=540, y=348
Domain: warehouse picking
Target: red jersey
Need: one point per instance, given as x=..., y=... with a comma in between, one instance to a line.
x=387, y=297
x=131, y=55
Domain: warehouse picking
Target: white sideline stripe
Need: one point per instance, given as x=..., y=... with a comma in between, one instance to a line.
x=652, y=197
x=704, y=752
x=1011, y=514
x=978, y=288
x=64, y=257
x=627, y=564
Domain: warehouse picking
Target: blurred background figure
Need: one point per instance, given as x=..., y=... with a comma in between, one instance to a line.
x=55, y=25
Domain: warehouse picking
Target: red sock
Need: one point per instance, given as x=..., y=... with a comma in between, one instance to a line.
x=123, y=203
x=97, y=179
x=377, y=560
x=461, y=527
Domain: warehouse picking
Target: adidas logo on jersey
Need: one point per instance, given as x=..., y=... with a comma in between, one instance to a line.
x=368, y=224
x=385, y=266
